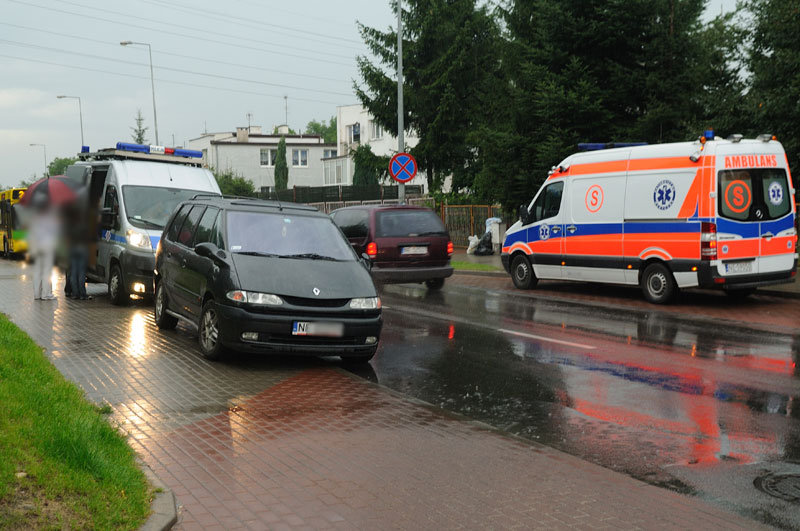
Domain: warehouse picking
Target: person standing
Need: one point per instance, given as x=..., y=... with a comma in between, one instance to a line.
x=42, y=241
x=78, y=239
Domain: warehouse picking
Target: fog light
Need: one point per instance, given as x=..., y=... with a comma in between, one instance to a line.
x=138, y=287
x=250, y=336
x=371, y=340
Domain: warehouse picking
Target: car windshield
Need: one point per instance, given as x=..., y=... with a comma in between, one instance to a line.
x=287, y=235
x=408, y=223
x=150, y=206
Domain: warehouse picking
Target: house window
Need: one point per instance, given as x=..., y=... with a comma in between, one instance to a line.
x=376, y=131
x=328, y=153
x=268, y=156
x=300, y=157
x=354, y=133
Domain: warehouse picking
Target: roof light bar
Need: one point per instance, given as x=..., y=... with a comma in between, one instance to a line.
x=159, y=150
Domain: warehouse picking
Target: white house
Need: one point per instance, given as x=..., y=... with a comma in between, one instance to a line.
x=252, y=154
x=354, y=127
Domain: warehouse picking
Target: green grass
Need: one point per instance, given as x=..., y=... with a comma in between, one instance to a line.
x=472, y=266
x=79, y=472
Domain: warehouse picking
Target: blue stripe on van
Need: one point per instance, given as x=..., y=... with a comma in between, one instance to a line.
x=778, y=225
x=746, y=229
x=640, y=227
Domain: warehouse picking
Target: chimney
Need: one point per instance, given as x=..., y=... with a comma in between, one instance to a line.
x=255, y=130
x=283, y=129
x=242, y=135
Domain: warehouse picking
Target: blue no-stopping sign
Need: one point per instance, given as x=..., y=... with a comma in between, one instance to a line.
x=403, y=167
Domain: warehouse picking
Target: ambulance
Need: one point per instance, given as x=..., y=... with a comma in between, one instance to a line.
x=714, y=213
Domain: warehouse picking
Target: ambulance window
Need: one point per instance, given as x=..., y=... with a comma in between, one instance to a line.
x=753, y=194
x=776, y=193
x=548, y=203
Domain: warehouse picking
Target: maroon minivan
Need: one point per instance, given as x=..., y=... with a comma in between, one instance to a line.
x=404, y=243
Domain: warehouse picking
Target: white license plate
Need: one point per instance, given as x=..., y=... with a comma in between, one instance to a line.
x=738, y=267
x=303, y=328
x=414, y=250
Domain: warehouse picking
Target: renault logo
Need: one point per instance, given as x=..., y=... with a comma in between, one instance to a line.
x=316, y=291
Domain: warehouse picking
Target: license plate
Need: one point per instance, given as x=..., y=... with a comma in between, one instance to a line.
x=414, y=250
x=739, y=267
x=303, y=328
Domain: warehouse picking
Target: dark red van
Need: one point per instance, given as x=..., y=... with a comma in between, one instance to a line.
x=404, y=243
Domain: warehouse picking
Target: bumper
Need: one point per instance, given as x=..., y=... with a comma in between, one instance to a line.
x=137, y=268
x=275, y=333
x=708, y=278
x=505, y=258
x=400, y=275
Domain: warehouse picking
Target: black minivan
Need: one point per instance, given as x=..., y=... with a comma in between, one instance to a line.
x=267, y=277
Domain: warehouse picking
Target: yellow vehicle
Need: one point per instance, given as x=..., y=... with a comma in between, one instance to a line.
x=10, y=223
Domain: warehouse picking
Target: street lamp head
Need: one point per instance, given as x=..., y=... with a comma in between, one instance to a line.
x=125, y=43
x=59, y=97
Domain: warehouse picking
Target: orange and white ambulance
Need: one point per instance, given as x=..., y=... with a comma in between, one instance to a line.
x=714, y=213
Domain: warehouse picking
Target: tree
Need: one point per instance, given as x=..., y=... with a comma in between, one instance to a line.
x=139, y=131
x=369, y=169
x=231, y=183
x=59, y=165
x=327, y=132
x=281, y=168
x=450, y=59
x=24, y=183
x=775, y=65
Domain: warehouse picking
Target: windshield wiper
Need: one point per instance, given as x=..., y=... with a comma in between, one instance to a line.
x=147, y=221
x=254, y=253
x=310, y=256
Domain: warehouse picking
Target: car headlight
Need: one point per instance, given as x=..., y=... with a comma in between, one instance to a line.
x=254, y=297
x=365, y=303
x=139, y=239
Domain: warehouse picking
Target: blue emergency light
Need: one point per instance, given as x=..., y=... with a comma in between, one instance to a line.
x=708, y=134
x=159, y=150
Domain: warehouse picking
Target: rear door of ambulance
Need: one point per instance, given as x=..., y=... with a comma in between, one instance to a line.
x=755, y=210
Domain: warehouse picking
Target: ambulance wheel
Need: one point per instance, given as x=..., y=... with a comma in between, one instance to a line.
x=116, y=287
x=658, y=284
x=522, y=272
x=164, y=321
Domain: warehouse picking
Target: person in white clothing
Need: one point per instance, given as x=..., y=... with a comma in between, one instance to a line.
x=42, y=241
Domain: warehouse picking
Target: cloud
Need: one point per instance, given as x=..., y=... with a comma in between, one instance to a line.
x=11, y=98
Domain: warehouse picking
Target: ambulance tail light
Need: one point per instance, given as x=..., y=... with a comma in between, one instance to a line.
x=708, y=241
x=372, y=249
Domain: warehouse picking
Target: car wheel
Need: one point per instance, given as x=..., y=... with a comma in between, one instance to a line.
x=116, y=286
x=658, y=284
x=522, y=272
x=209, y=333
x=163, y=320
x=435, y=284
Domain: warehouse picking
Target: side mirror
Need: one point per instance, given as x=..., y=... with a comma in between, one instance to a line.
x=366, y=262
x=108, y=219
x=212, y=252
x=524, y=214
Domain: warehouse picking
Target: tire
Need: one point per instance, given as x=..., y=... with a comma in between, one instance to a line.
x=435, y=284
x=164, y=321
x=208, y=333
x=658, y=284
x=522, y=273
x=116, y=287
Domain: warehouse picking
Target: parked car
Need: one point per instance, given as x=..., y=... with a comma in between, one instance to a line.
x=403, y=243
x=265, y=276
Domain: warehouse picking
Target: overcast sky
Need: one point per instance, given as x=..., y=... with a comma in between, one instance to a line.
x=215, y=62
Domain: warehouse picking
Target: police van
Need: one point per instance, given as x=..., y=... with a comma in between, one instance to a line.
x=132, y=190
x=714, y=213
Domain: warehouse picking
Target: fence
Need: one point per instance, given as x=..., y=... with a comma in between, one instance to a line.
x=463, y=221
x=337, y=193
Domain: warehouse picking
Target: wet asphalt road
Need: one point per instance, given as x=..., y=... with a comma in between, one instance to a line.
x=682, y=401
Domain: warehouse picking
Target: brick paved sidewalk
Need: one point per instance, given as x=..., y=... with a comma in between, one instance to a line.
x=274, y=444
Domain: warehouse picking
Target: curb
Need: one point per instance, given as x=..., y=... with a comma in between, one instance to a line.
x=163, y=508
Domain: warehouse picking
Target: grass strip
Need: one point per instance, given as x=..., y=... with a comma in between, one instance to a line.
x=473, y=266
x=62, y=465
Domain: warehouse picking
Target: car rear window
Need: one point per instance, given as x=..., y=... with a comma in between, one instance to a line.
x=754, y=194
x=408, y=223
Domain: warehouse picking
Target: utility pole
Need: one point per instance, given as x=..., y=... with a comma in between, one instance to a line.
x=401, y=189
x=249, y=115
x=286, y=111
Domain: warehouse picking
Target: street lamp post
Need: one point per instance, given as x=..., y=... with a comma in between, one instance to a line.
x=45, y=157
x=152, y=82
x=80, y=113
